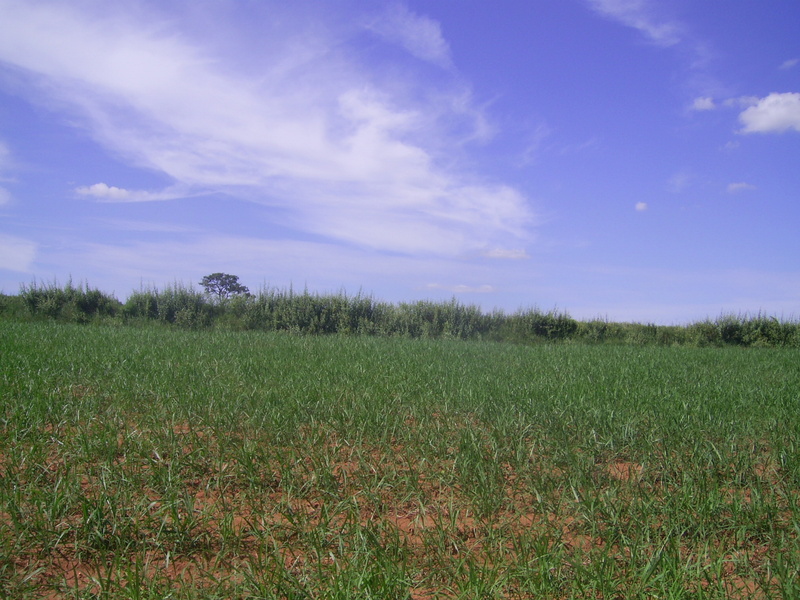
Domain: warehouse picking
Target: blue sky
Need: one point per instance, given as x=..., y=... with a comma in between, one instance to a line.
x=633, y=160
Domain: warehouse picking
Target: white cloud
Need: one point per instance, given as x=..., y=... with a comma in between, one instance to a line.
x=641, y=206
x=536, y=139
x=5, y=196
x=110, y=193
x=640, y=15
x=773, y=114
x=740, y=187
x=303, y=129
x=507, y=253
x=103, y=191
x=788, y=64
x=703, y=103
x=419, y=35
x=439, y=217
x=16, y=254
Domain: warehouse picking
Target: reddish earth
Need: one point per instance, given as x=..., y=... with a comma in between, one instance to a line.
x=226, y=527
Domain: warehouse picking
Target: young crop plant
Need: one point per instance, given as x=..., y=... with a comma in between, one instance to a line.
x=154, y=462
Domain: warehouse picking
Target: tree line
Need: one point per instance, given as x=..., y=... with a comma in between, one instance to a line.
x=226, y=304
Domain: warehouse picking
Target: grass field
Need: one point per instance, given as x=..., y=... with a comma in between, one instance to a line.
x=162, y=463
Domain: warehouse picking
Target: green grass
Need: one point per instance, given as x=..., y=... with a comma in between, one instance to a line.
x=154, y=462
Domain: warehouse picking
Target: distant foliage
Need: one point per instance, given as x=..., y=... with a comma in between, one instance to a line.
x=744, y=330
x=79, y=304
x=273, y=309
x=176, y=304
x=13, y=307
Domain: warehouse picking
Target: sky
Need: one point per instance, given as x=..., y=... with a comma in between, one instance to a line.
x=629, y=160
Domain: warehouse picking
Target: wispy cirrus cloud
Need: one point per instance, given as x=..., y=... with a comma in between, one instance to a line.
x=109, y=193
x=5, y=165
x=642, y=16
x=419, y=35
x=146, y=226
x=306, y=129
x=789, y=64
x=657, y=23
x=507, y=254
x=740, y=186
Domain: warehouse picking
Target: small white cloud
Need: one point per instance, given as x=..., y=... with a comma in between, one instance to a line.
x=641, y=206
x=775, y=113
x=788, y=64
x=16, y=254
x=703, y=103
x=5, y=196
x=106, y=192
x=512, y=253
x=461, y=288
x=740, y=187
x=110, y=193
x=419, y=35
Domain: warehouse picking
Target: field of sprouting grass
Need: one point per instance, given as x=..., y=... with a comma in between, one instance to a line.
x=167, y=463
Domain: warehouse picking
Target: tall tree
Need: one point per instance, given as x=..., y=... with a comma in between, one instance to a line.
x=223, y=285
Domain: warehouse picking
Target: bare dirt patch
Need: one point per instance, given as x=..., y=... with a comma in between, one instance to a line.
x=310, y=511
